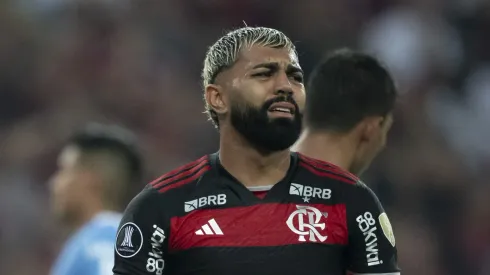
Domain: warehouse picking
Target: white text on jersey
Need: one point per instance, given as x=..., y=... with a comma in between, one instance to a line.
x=367, y=225
x=219, y=199
x=309, y=192
x=155, y=262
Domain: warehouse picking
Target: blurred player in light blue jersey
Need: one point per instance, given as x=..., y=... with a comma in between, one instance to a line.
x=97, y=170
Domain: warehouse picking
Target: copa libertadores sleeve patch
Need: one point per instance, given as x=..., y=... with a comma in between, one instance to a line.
x=129, y=240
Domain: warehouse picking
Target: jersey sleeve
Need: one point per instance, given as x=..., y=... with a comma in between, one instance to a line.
x=140, y=242
x=101, y=258
x=372, y=248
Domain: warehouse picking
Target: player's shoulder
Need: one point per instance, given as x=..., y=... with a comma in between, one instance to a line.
x=185, y=176
x=170, y=188
x=106, y=219
x=102, y=227
x=323, y=171
x=327, y=171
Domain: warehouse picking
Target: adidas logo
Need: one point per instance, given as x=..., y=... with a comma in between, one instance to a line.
x=210, y=228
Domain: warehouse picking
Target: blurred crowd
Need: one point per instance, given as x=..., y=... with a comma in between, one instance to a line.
x=137, y=64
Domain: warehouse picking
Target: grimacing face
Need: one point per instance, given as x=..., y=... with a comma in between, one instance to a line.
x=263, y=96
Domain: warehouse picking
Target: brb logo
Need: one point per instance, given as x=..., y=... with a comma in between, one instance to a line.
x=297, y=223
x=219, y=199
x=308, y=192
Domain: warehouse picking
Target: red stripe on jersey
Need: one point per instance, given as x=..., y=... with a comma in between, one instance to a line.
x=325, y=173
x=260, y=194
x=182, y=174
x=187, y=177
x=328, y=166
x=271, y=224
x=332, y=166
x=178, y=170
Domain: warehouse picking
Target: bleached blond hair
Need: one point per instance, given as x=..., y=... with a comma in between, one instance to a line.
x=224, y=53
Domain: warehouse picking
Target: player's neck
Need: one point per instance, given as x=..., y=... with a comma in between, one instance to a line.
x=329, y=147
x=248, y=165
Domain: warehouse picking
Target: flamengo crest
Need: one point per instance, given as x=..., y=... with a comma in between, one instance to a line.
x=307, y=219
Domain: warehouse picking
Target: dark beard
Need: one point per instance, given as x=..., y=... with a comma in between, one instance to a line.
x=267, y=134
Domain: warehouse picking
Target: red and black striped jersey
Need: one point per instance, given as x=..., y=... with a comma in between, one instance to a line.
x=198, y=219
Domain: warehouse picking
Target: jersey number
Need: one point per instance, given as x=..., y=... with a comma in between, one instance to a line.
x=155, y=265
x=365, y=221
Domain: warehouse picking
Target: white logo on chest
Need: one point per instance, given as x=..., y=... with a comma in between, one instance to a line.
x=308, y=192
x=309, y=227
x=219, y=199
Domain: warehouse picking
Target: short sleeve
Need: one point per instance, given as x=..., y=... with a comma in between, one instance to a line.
x=372, y=247
x=73, y=260
x=101, y=257
x=139, y=247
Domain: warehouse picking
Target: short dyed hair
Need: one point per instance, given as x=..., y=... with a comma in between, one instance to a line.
x=224, y=53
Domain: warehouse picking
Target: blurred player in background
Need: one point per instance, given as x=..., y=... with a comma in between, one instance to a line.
x=349, y=106
x=254, y=207
x=96, y=169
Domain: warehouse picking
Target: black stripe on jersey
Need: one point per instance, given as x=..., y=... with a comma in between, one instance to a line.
x=307, y=258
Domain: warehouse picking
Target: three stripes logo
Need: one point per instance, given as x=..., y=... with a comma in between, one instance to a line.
x=210, y=228
x=128, y=232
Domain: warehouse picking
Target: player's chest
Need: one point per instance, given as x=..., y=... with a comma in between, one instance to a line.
x=293, y=214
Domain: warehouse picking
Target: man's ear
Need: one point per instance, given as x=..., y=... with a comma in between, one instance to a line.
x=370, y=127
x=215, y=98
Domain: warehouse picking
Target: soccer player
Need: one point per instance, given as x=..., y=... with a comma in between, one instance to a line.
x=254, y=207
x=348, y=114
x=96, y=168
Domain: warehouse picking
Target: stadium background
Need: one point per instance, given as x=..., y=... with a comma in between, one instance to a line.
x=137, y=63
